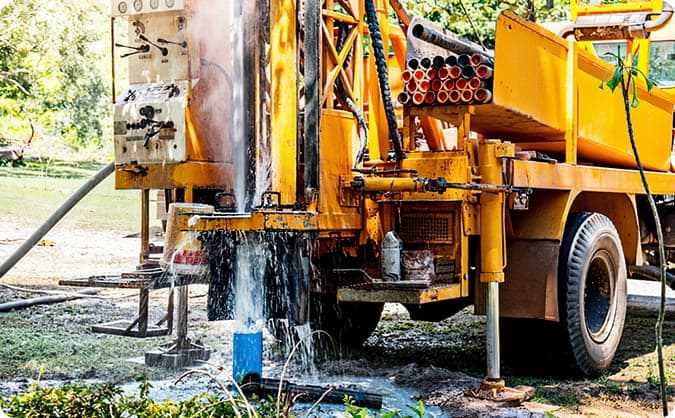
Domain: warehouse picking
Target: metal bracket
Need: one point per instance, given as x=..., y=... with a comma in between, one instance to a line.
x=267, y=200
x=519, y=200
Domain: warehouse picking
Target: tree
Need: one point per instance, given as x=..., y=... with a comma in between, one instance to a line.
x=54, y=70
x=483, y=13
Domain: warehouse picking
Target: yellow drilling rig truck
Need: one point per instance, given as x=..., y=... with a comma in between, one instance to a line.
x=354, y=161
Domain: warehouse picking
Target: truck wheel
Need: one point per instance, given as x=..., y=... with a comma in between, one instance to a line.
x=592, y=279
x=348, y=324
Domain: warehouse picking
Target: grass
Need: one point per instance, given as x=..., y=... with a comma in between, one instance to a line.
x=30, y=193
x=67, y=351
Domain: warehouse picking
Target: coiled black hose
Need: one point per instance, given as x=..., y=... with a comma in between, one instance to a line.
x=383, y=77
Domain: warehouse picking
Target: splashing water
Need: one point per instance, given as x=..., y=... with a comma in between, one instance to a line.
x=258, y=276
x=248, y=291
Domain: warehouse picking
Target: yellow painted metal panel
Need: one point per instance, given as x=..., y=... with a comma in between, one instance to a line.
x=530, y=104
x=602, y=121
x=257, y=221
x=579, y=8
x=537, y=175
x=530, y=72
x=283, y=57
x=171, y=176
x=338, y=133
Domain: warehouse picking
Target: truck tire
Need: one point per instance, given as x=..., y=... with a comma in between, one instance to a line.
x=348, y=324
x=592, y=279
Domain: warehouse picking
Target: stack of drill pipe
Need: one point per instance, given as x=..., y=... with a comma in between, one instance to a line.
x=456, y=79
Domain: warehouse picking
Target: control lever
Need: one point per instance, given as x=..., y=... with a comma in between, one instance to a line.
x=143, y=50
x=164, y=41
x=163, y=50
x=137, y=48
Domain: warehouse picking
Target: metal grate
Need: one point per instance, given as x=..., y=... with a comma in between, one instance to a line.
x=431, y=228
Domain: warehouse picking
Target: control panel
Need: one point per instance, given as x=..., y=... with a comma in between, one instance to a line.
x=150, y=123
x=153, y=44
x=132, y=7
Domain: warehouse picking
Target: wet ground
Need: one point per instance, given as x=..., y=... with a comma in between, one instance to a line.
x=404, y=360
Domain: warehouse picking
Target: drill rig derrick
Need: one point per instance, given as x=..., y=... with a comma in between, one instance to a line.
x=469, y=218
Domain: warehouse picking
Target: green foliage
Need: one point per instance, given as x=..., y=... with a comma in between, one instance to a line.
x=54, y=62
x=109, y=401
x=483, y=13
x=626, y=76
x=351, y=411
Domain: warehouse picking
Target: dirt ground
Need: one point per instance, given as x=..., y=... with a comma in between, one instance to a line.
x=438, y=360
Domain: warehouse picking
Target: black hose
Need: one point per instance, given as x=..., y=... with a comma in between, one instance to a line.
x=62, y=211
x=383, y=77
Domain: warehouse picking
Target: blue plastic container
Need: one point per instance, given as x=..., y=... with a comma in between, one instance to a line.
x=247, y=355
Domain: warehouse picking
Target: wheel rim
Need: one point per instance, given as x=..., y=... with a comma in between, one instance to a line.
x=599, y=296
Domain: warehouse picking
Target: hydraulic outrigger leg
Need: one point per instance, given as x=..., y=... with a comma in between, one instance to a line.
x=493, y=257
x=492, y=264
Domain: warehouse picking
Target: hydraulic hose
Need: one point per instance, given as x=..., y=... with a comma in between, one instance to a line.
x=383, y=77
x=62, y=211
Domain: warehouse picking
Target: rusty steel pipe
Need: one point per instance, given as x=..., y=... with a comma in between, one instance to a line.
x=419, y=75
x=477, y=59
x=461, y=84
x=425, y=62
x=483, y=96
x=438, y=62
x=411, y=86
x=442, y=97
x=484, y=72
x=467, y=96
x=468, y=72
x=418, y=98
x=449, y=84
x=445, y=40
x=429, y=97
x=443, y=73
x=432, y=73
x=406, y=76
x=404, y=98
x=424, y=86
x=455, y=72
x=455, y=96
x=464, y=60
x=436, y=85
x=413, y=63
x=451, y=60
x=475, y=83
